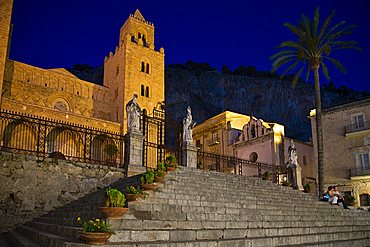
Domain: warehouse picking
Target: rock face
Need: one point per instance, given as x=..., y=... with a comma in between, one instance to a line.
x=210, y=92
x=30, y=188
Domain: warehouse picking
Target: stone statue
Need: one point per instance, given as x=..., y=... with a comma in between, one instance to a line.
x=296, y=168
x=293, y=156
x=133, y=115
x=188, y=125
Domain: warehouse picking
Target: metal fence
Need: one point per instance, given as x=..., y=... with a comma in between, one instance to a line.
x=229, y=164
x=42, y=137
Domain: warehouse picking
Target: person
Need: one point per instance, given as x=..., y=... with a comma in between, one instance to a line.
x=329, y=196
x=133, y=114
x=188, y=125
x=340, y=197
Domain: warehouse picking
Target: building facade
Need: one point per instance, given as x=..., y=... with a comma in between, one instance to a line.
x=135, y=67
x=346, y=137
x=248, y=138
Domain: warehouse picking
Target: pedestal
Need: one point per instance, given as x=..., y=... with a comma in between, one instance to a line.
x=297, y=174
x=189, y=155
x=134, y=144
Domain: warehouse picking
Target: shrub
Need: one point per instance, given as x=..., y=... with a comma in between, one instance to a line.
x=114, y=198
x=161, y=167
x=136, y=191
x=147, y=177
x=94, y=225
x=307, y=187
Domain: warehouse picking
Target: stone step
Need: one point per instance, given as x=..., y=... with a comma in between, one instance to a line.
x=61, y=230
x=43, y=238
x=16, y=239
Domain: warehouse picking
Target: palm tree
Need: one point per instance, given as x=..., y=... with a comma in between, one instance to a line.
x=311, y=50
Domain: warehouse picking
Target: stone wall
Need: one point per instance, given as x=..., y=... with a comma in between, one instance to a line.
x=31, y=187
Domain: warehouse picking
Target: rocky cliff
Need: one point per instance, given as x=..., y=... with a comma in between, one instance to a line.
x=247, y=91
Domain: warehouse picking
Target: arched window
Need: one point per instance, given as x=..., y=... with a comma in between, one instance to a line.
x=147, y=91
x=253, y=131
x=142, y=67
x=364, y=200
x=142, y=90
x=147, y=68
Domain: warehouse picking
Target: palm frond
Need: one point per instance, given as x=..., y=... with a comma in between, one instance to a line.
x=336, y=63
x=294, y=29
x=296, y=77
x=290, y=68
x=280, y=53
x=316, y=21
x=326, y=25
x=325, y=71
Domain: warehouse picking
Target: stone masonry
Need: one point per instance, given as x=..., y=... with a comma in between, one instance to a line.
x=32, y=187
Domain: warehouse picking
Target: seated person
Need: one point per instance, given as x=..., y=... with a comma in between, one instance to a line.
x=340, y=197
x=329, y=196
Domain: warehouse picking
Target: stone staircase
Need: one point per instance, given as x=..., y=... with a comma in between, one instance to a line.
x=199, y=208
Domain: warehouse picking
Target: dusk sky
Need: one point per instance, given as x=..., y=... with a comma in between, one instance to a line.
x=53, y=33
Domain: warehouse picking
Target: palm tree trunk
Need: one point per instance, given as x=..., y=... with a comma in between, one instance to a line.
x=319, y=137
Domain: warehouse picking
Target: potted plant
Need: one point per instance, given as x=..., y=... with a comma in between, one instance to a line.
x=286, y=184
x=114, y=203
x=171, y=163
x=95, y=231
x=267, y=176
x=133, y=193
x=147, y=180
x=351, y=200
x=307, y=188
x=159, y=176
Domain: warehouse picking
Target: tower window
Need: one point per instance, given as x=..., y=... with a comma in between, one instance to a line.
x=46, y=84
x=142, y=90
x=142, y=67
x=147, y=68
x=117, y=70
x=139, y=35
x=147, y=91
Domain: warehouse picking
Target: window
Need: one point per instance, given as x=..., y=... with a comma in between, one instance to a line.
x=253, y=131
x=147, y=68
x=214, y=137
x=364, y=200
x=117, y=70
x=197, y=143
x=304, y=160
x=253, y=157
x=362, y=161
x=142, y=90
x=142, y=67
x=147, y=91
x=139, y=35
x=358, y=121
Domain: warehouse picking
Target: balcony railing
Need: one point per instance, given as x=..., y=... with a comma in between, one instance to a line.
x=213, y=141
x=359, y=172
x=356, y=128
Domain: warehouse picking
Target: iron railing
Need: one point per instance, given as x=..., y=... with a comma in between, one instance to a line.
x=357, y=127
x=43, y=137
x=230, y=164
x=358, y=172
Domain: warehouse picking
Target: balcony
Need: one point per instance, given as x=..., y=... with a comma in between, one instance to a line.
x=213, y=141
x=356, y=172
x=353, y=128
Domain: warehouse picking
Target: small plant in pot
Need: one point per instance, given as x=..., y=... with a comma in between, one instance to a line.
x=286, y=184
x=147, y=180
x=159, y=173
x=94, y=231
x=267, y=176
x=171, y=163
x=114, y=203
x=133, y=193
x=351, y=200
x=307, y=188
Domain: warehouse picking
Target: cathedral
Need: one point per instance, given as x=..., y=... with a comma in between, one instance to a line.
x=53, y=112
x=135, y=67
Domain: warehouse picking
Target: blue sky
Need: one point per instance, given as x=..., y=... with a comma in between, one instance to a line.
x=51, y=33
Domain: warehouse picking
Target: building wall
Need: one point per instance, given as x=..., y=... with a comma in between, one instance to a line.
x=340, y=146
x=5, y=17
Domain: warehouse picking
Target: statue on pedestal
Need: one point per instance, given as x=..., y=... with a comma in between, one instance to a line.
x=296, y=168
x=188, y=125
x=133, y=115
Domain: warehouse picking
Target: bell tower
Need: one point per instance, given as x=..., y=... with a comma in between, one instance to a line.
x=5, y=17
x=135, y=67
